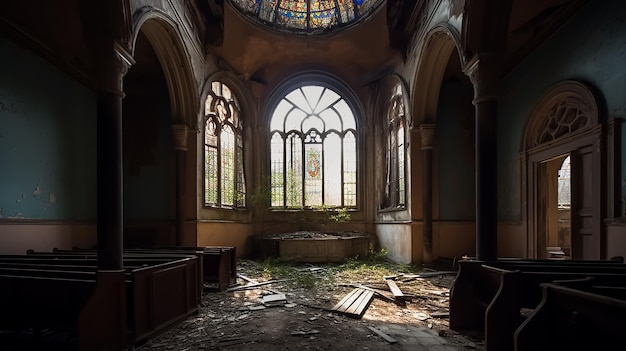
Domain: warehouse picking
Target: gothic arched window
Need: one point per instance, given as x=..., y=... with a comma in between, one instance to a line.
x=396, y=162
x=313, y=150
x=224, y=184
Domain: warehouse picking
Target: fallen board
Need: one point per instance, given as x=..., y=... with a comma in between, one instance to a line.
x=397, y=293
x=355, y=303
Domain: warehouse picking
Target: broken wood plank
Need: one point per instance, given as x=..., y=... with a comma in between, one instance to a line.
x=361, y=303
x=440, y=314
x=355, y=303
x=347, y=300
x=381, y=293
x=239, y=275
x=395, y=290
x=383, y=335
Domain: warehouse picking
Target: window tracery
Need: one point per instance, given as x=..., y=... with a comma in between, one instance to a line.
x=313, y=150
x=396, y=173
x=224, y=184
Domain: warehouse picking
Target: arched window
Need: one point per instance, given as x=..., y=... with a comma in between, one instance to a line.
x=224, y=184
x=396, y=172
x=313, y=150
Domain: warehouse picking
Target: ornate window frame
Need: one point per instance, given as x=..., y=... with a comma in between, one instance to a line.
x=224, y=181
x=346, y=137
x=396, y=153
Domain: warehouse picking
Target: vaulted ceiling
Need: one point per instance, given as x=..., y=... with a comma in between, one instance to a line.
x=362, y=52
x=368, y=49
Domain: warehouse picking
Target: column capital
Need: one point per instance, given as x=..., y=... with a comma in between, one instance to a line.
x=180, y=132
x=112, y=64
x=483, y=69
x=427, y=134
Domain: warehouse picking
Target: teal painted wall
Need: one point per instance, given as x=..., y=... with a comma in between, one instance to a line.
x=149, y=163
x=590, y=47
x=47, y=140
x=455, y=150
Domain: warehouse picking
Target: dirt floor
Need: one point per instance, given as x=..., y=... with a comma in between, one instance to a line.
x=239, y=320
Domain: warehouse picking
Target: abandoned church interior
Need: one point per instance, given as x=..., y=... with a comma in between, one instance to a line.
x=485, y=131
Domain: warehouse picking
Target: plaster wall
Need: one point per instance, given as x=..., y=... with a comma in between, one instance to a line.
x=225, y=234
x=148, y=158
x=512, y=240
x=47, y=143
x=397, y=239
x=590, y=47
x=454, y=239
x=16, y=238
x=455, y=152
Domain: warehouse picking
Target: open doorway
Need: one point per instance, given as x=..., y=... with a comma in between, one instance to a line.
x=554, y=215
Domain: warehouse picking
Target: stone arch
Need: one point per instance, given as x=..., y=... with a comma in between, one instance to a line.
x=440, y=43
x=162, y=33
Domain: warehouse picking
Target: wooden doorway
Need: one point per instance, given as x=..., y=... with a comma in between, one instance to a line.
x=564, y=130
x=554, y=208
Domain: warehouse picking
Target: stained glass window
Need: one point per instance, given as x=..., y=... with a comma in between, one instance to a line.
x=224, y=184
x=396, y=188
x=313, y=150
x=307, y=15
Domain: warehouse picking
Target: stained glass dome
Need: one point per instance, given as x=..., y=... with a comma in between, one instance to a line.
x=307, y=16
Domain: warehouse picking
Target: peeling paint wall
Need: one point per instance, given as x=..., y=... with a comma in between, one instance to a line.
x=590, y=47
x=47, y=140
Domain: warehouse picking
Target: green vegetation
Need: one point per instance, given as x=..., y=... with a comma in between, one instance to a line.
x=373, y=266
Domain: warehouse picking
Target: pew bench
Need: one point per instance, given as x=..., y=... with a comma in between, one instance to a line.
x=489, y=296
x=572, y=319
x=219, y=263
x=54, y=291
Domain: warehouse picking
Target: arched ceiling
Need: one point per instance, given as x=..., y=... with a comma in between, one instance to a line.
x=371, y=48
x=363, y=52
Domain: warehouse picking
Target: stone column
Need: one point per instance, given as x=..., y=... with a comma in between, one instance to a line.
x=484, y=72
x=111, y=65
x=180, y=132
x=427, y=134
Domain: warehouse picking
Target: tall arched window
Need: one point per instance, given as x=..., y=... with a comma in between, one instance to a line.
x=224, y=184
x=313, y=150
x=396, y=172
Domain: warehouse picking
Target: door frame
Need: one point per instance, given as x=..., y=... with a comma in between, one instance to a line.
x=569, y=144
x=564, y=119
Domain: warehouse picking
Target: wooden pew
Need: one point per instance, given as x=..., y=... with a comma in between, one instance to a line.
x=488, y=296
x=130, y=255
x=221, y=266
x=572, y=319
x=219, y=263
x=160, y=290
